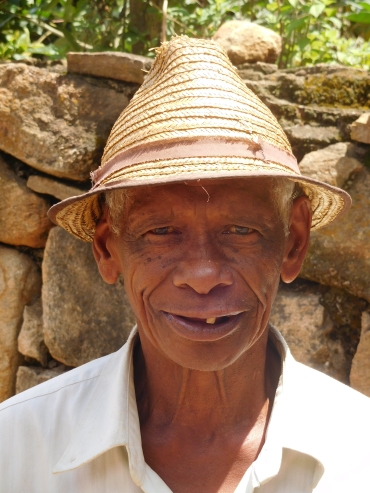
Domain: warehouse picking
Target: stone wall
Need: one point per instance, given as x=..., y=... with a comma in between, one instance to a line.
x=55, y=311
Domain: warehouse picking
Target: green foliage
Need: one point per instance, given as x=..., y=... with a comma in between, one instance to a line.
x=64, y=25
x=201, y=20
x=18, y=45
x=313, y=31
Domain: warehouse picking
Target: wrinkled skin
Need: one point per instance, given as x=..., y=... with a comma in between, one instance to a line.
x=191, y=253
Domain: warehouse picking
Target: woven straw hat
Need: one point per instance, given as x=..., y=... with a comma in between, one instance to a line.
x=193, y=118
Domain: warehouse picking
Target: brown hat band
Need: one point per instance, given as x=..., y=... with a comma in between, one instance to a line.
x=190, y=148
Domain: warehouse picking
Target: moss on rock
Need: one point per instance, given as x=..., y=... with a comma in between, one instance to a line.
x=341, y=90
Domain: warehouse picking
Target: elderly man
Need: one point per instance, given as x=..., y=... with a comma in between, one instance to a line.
x=200, y=206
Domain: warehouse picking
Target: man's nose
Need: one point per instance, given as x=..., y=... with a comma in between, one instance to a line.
x=202, y=274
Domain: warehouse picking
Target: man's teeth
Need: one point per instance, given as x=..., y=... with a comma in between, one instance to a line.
x=211, y=320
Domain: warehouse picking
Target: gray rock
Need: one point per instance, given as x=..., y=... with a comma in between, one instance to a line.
x=259, y=67
x=31, y=338
x=324, y=85
x=305, y=138
x=307, y=328
x=57, y=123
x=329, y=117
x=256, y=71
x=360, y=371
x=360, y=129
x=29, y=376
x=332, y=164
x=84, y=318
x=338, y=254
x=287, y=85
x=20, y=284
x=48, y=186
x=23, y=219
x=244, y=42
x=112, y=65
x=323, y=96
x=289, y=113
x=345, y=310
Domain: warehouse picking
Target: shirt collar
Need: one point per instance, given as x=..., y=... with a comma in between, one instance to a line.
x=287, y=428
x=111, y=419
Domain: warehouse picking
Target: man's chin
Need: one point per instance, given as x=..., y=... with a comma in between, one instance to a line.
x=207, y=356
x=205, y=348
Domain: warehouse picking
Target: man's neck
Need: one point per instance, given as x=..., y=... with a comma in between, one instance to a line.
x=202, y=430
x=169, y=395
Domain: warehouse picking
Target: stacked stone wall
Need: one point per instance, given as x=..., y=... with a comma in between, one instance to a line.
x=56, y=312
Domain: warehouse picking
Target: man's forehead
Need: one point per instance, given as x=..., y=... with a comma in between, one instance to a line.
x=258, y=189
x=224, y=194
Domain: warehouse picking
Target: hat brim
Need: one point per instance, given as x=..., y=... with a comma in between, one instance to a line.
x=79, y=215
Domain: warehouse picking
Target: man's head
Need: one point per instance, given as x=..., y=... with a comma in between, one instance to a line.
x=207, y=223
x=193, y=252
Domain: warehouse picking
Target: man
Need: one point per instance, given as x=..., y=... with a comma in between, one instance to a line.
x=200, y=206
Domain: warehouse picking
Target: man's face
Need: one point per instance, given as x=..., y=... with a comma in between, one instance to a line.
x=201, y=265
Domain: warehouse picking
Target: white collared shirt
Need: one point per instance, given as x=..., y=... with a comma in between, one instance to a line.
x=80, y=433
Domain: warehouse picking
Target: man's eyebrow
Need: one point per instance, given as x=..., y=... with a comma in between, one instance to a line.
x=139, y=219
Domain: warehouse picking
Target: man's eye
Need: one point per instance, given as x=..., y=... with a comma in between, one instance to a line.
x=238, y=230
x=162, y=231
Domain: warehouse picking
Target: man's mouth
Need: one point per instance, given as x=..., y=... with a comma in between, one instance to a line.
x=204, y=328
x=210, y=321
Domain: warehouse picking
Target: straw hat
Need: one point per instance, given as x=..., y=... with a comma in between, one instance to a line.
x=193, y=118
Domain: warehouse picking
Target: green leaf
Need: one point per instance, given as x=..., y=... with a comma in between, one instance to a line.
x=293, y=3
x=317, y=9
x=296, y=24
x=362, y=18
x=303, y=43
x=71, y=40
x=336, y=22
x=6, y=20
x=40, y=49
x=68, y=11
x=50, y=6
x=273, y=6
x=24, y=41
x=331, y=12
x=364, y=5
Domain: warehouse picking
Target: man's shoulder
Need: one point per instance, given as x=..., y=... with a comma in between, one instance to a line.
x=329, y=404
x=73, y=410
x=327, y=392
x=328, y=420
x=83, y=376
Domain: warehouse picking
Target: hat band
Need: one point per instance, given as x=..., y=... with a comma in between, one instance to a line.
x=195, y=148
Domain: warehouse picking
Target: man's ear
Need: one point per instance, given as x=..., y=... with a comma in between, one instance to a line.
x=297, y=240
x=103, y=250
